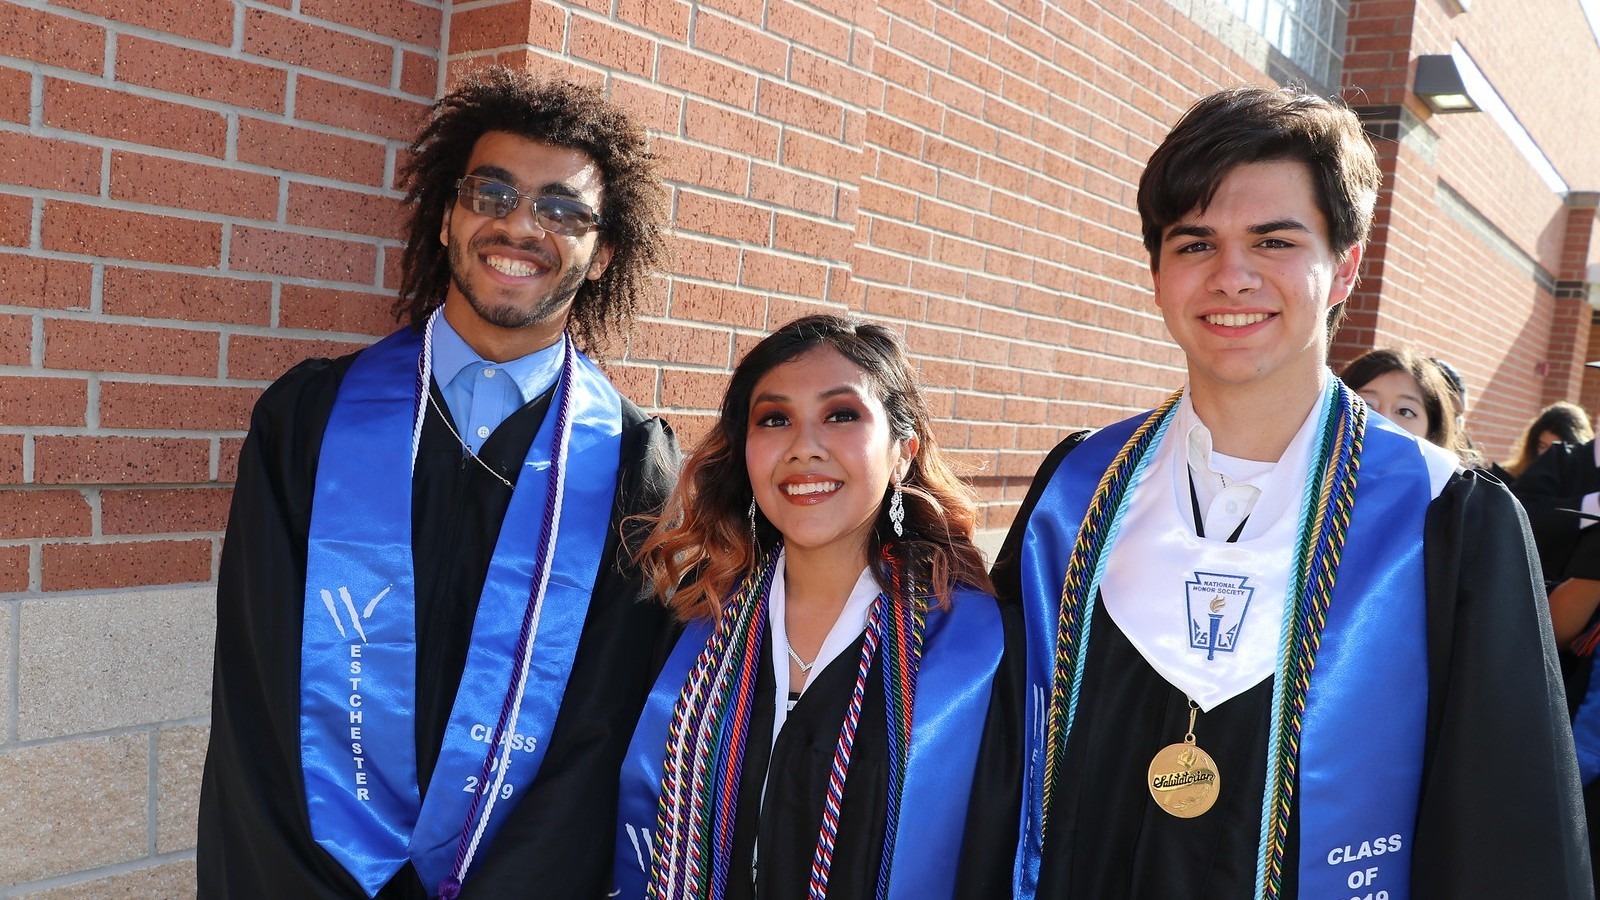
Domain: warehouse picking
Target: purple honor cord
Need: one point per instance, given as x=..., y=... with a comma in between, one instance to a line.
x=511, y=707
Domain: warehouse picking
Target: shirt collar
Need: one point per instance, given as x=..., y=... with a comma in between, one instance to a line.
x=1281, y=482
x=533, y=374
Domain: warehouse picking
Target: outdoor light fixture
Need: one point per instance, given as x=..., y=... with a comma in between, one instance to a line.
x=1440, y=85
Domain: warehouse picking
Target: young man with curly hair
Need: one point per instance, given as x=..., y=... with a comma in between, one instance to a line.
x=431, y=644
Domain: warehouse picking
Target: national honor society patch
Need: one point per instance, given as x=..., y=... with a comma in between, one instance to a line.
x=1217, y=606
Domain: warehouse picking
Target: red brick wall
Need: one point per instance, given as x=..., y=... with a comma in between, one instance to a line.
x=964, y=175
x=196, y=195
x=1460, y=287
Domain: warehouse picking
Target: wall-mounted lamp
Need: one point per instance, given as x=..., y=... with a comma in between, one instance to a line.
x=1440, y=85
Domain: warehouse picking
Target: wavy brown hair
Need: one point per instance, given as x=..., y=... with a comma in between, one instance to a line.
x=700, y=547
x=562, y=114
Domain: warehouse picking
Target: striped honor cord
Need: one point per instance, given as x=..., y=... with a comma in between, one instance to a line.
x=1327, y=507
x=895, y=621
x=1321, y=548
x=678, y=854
x=704, y=758
x=1100, y=522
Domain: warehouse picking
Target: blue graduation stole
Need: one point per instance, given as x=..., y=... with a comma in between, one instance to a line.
x=358, y=659
x=1586, y=730
x=1361, y=744
x=962, y=647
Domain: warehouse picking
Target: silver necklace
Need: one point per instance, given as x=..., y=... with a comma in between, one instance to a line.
x=805, y=667
x=467, y=449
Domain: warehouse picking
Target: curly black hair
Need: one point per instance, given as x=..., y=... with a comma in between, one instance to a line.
x=563, y=114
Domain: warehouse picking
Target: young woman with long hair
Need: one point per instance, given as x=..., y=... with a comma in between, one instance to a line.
x=841, y=691
x=1559, y=423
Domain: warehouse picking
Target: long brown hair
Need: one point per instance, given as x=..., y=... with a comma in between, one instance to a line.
x=701, y=545
x=1568, y=421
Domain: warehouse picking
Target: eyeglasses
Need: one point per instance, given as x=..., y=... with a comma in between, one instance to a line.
x=557, y=215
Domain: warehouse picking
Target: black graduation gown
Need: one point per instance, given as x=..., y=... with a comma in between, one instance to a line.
x=1499, y=813
x=796, y=769
x=1576, y=672
x=254, y=834
x=1557, y=480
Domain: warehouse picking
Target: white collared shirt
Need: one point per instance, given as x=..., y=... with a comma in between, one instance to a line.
x=1159, y=568
x=1225, y=487
x=841, y=637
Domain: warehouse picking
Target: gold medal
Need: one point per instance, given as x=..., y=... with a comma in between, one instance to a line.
x=1183, y=778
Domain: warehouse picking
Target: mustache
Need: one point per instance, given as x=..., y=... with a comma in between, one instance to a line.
x=529, y=247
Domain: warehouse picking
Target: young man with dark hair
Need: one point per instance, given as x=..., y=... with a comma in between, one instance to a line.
x=432, y=644
x=1278, y=647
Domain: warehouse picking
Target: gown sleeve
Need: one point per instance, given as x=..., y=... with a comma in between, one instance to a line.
x=1555, y=482
x=989, y=840
x=1500, y=812
x=254, y=836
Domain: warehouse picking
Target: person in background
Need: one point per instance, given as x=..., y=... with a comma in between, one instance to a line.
x=1408, y=390
x=842, y=715
x=1560, y=489
x=1563, y=512
x=1559, y=423
x=431, y=643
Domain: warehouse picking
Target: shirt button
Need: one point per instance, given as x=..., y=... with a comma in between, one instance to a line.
x=1233, y=509
x=483, y=431
x=488, y=373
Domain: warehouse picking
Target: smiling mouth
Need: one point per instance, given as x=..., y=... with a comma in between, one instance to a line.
x=1236, y=320
x=811, y=487
x=516, y=268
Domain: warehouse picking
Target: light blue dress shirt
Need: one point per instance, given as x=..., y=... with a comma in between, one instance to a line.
x=480, y=393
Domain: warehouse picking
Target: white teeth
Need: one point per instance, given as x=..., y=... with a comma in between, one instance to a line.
x=811, y=487
x=1237, y=320
x=513, y=267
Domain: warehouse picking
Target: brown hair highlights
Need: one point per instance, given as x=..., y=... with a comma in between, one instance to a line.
x=562, y=114
x=700, y=546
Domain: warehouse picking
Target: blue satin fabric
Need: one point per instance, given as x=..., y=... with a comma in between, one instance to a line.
x=1586, y=730
x=962, y=647
x=1046, y=546
x=1361, y=746
x=1361, y=757
x=360, y=541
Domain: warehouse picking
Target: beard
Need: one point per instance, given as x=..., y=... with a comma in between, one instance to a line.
x=512, y=312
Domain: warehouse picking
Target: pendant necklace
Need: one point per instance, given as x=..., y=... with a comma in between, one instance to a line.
x=1327, y=503
x=467, y=449
x=805, y=666
x=1183, y=778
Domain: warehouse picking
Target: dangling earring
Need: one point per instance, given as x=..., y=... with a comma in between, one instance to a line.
x=897, y=511
x=752, y=519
